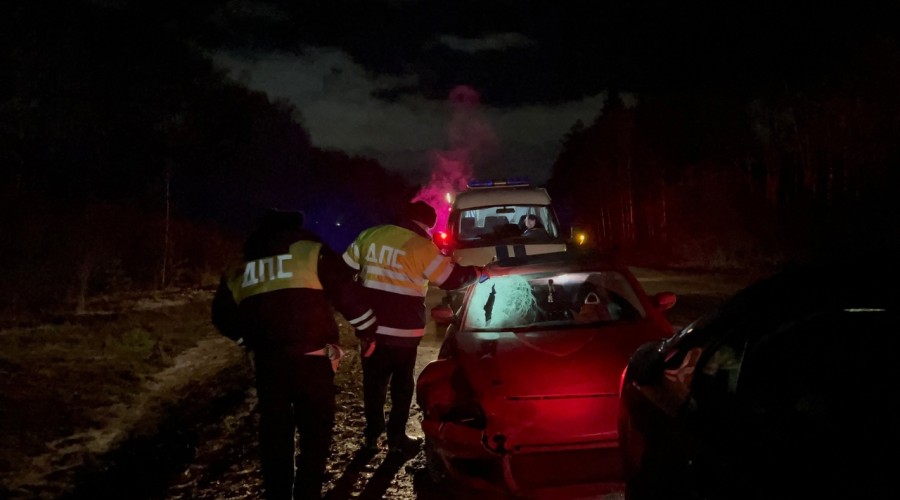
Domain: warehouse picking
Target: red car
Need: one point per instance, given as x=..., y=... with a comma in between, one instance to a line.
x=524, y=394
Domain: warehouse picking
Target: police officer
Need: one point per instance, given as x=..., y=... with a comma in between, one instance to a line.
x=396, y=263
x=276, y=303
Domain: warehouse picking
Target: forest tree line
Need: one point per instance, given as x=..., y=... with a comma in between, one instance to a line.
x=713, y=181
x=129, y=162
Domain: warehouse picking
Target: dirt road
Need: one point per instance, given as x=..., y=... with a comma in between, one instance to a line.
x=209, y=451
x=355, y=475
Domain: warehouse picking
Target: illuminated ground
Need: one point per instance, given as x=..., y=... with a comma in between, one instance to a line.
x=86, y=419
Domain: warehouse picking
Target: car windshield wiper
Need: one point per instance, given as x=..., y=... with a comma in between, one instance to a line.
x=550, y=325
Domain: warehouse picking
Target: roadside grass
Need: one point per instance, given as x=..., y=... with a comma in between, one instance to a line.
x=64, y=377
x=56, y=379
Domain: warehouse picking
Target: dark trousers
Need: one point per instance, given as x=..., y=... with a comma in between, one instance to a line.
x=296, y=398
x=389, y=366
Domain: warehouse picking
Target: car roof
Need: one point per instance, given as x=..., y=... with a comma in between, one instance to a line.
x=796, y=291
x=493, y=196
x=819, y=286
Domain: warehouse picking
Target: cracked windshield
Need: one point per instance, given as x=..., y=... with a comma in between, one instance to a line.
x=547, y=299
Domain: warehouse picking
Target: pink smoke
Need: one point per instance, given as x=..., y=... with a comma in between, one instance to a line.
x=471, y=141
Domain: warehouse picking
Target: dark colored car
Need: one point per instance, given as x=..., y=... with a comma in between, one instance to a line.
x=785, y=391
x=524, y=396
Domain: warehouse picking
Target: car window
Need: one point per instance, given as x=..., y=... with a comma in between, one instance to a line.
x=719, y=367
x=786, y=363
x=722, y=367
x=834, y=352
x=552, y=299
x=809, y=380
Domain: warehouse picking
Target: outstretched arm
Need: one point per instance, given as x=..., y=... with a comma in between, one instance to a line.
x=462, y=276
x=348, y=296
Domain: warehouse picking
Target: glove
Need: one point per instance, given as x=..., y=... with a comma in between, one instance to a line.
x=367, y=340
x=366, y=347
x=334, y=354
x=251, y=356
x=246, y=343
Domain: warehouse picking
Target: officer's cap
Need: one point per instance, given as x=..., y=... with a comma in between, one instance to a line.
x=421, y=212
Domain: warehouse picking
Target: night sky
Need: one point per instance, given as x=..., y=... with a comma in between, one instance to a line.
x=637, y=115
x=374, y=78
x=385, y=78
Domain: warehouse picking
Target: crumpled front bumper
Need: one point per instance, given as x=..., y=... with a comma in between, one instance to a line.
x=592, y=466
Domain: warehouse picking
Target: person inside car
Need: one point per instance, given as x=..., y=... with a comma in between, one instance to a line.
x=534, y=228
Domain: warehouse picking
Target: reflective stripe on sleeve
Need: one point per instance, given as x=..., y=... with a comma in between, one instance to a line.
x=402, y=290
x=350, y=261
x=433, y=265
x=364, y=321
x=367, y=324
x=441, y=265
x=394, y=275
x=401, y=332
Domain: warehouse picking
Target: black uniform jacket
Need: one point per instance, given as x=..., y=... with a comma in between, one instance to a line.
x=280, y=297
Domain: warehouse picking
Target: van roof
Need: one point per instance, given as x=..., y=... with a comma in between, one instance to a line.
x=487, y=197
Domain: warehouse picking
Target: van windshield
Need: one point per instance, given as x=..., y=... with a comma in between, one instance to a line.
x=508, y=222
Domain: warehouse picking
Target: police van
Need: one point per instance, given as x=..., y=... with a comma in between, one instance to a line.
x=490, y=221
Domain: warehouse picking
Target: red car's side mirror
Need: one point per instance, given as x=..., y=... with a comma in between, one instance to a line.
x=442, y=314
x=664, y=300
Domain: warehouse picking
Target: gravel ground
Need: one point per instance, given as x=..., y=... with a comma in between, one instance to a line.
x=226, y=462
x=190, y=432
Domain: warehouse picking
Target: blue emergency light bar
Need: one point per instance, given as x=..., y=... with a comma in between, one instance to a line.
x=512, y=181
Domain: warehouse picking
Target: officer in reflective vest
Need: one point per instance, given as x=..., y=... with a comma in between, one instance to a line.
x=396, y=263
x=277, y=303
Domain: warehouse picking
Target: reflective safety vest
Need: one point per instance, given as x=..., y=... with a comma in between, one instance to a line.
x=295, y=269
x=398, y=264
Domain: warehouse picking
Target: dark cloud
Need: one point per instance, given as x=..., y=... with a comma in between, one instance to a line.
x=338, y=101
x=373, y=77
x=499, y=41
